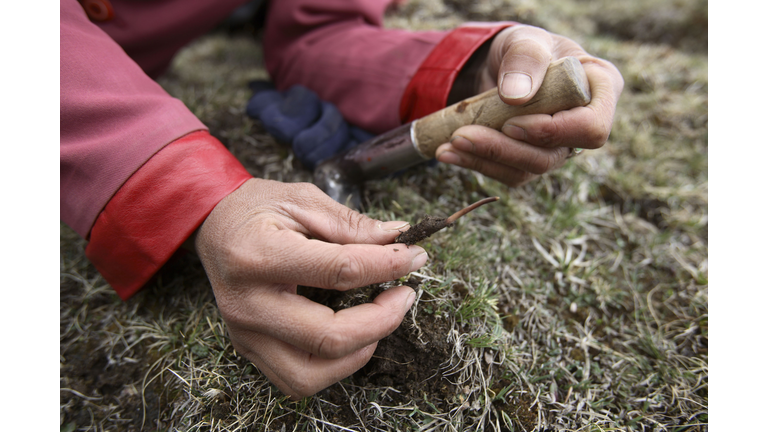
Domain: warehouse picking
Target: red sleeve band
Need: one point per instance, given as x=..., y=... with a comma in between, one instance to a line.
x=429, y=88
x=159, y=207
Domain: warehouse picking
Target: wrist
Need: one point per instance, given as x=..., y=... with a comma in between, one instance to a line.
x=189, y=243
x=159, y=208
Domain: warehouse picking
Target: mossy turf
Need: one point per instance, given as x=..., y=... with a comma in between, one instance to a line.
x=576, y=302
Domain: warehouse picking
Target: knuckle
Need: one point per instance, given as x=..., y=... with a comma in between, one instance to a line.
x=353, y=222
x=304, y=194
x=237, y=319
x=232, y=316
x=549, y=135
x=331, y=345
x=474, y=163
x=553, y=159
x=598, y=134
x=238, y=312
x=529, y=39
x=537, y=164
x=493, y=152
x=306, y=188
x=346, y=274
x=304, y=384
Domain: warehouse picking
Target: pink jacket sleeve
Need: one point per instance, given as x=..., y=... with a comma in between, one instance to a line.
x=339, y=49
x=113, y=118
x=139, y=172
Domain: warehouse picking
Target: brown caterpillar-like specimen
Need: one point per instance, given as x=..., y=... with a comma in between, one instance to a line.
x=430, y=225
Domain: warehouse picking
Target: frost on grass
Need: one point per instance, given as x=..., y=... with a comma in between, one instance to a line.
x=576, y=302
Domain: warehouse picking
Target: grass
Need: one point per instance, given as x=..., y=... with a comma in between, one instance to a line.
x=577, y=302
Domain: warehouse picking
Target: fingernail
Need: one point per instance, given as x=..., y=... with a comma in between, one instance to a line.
x=513, y=131
x=393, y=225
x=516, y=85
x=449, y=157
x=463, y=144
x=442, y=148
x=409, y=301
x=419, y=260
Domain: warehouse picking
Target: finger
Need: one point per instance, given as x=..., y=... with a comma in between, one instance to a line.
x=321, y=217
x=583, y=127
x=266, y=370
x=484, y=147
x=521, y=56
x=298, y=373
x=503, y=173
x=317, y=329
x=284, y=256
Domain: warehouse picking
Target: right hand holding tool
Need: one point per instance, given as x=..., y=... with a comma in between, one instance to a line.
x=530, y=145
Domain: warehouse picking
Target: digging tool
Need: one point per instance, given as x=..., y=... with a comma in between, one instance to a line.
x=565, y=86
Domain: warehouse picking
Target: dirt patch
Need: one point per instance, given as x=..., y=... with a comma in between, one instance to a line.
x=517, y=408
x=108, y=381
x=679, y=27
x=649, y=208
x=92, y=389
x=410, y=360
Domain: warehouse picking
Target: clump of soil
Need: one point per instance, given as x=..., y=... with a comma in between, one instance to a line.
x=422, y=230
x=430, y=224
x=410, y=359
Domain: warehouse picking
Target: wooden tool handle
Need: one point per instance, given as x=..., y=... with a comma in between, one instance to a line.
x=565, y=86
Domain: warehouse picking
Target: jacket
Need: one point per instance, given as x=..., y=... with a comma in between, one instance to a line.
x=140, y=173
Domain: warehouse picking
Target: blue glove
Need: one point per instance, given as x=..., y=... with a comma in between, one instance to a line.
x=315, y=128
x=264, y=94
x=324, y=139
x=286, y=114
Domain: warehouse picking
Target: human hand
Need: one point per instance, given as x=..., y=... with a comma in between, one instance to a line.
x=530, y=145
x=266, y=238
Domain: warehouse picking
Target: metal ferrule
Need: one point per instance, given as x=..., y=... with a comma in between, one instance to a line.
x=341, y=176
x=387, y=153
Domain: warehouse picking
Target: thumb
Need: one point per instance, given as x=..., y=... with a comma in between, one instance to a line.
x=519, y=57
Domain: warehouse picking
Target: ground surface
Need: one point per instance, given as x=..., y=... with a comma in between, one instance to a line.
x=576, y=302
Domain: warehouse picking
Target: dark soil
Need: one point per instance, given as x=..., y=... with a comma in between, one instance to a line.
x=109, y=390
x=116, y=391
x=650, y=209
x=422, y=230
x=430, y=224
x=410, y=360
x=683, y=29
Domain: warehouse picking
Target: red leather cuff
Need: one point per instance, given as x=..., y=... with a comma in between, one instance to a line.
x=428, y=90
x=159, y=207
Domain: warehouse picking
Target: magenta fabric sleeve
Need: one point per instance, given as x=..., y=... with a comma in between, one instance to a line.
x=339, y=49
x=113, y=118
